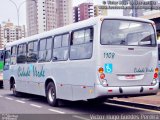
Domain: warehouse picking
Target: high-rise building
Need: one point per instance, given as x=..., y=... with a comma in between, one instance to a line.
x=64, y=12
x=100, y=10
x=85, y=11
x=32, y=17
x=10, y=32
x=44, y=15
x=75, y=14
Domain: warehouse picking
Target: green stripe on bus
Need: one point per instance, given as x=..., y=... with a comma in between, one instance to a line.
x=1, y=65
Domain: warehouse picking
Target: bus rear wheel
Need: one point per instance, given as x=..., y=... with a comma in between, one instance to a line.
x=51, y=95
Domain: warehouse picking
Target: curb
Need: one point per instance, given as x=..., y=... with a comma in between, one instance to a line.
x=134, y=104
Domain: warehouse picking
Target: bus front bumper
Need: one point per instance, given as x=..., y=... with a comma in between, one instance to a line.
x=129, y=91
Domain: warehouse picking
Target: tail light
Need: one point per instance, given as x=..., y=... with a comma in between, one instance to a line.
x=102, y=76
x=155, y=77
x=156, y=73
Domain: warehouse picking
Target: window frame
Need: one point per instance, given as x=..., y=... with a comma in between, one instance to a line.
x=15, y=55
x=16, y=49
x=25, y=53
x=129, y=45
x=6, y=67
x=36, y=51
x=69, y=37
x=71, y=43
x=45, y=48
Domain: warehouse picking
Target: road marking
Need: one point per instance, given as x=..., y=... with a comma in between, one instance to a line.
x=20, y=101
x=56, y=111
x=1, y=96
x=25, y=99
x=79, y=117
x=8, y=98
x=126, y=106
x=34, y=105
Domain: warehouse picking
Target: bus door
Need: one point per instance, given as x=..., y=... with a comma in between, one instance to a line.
x=6, y=69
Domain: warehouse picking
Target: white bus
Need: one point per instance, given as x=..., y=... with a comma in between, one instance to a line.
x=98, y=58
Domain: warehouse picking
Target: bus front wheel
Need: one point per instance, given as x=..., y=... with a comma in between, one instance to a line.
x=51, y=95
x=15, y=93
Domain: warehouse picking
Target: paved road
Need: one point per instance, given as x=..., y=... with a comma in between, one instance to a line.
x=30, y=104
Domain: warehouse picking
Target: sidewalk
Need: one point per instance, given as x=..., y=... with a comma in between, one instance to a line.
x=151, y=102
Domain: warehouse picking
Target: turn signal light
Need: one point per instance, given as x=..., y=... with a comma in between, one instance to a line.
x=101, y=70
x=102, y=76
x=156, y=70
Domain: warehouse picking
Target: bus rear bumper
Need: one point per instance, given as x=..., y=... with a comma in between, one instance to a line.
x=110, y=92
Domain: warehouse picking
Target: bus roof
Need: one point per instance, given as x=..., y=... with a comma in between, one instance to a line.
x=78, y=25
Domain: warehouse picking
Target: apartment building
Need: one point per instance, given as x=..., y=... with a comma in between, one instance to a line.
x=44, y=15
x=85, y=11
x=10, y=32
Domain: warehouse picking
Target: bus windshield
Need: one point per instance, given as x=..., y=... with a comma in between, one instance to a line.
x=124, y=32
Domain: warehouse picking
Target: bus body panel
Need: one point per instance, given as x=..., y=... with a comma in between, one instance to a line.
x=139, y=62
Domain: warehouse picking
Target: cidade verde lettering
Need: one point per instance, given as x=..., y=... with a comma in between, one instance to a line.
x=27, y=72
x=23, y=73
x=38, y=73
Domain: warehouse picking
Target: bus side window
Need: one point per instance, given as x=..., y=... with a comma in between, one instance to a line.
x=32, y=51
x=22, y=51
x=45, y=49
x=13, y=55
x=6, y=60
x=60, y=48
x=81, y=44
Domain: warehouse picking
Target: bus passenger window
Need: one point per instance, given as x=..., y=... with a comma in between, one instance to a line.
x=60, y=49
x=13, y=55
x=32, y=51
x=22, y=50
x=45, y=49
x=48, y=49
x=81, y=44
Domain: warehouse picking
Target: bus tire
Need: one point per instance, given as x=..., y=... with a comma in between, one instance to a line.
x=15, y=93
x=51, y=95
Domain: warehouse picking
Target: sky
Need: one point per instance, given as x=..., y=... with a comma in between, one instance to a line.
x=8, y=10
